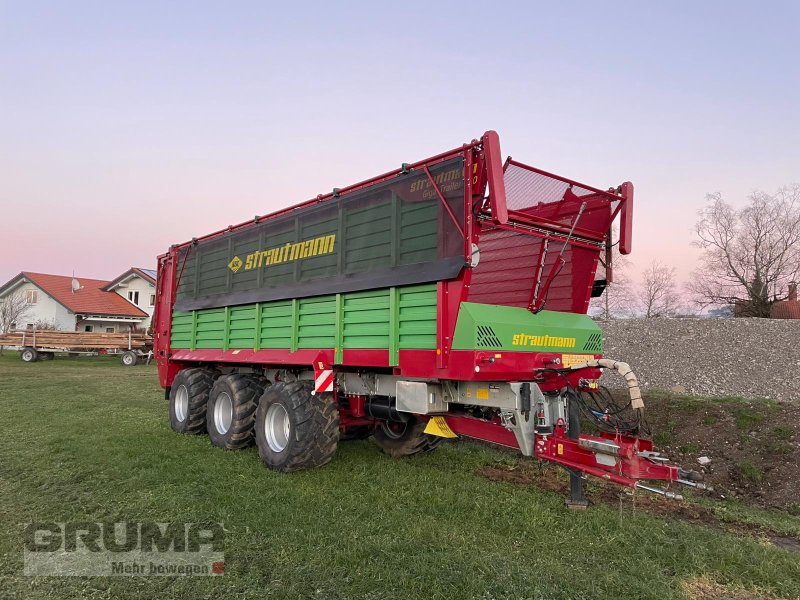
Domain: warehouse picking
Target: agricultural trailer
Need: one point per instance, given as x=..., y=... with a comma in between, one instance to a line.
x=35, y=345
x=444, y=298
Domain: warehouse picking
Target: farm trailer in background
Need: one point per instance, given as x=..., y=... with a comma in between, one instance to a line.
x=445, y=298
x=44, y=344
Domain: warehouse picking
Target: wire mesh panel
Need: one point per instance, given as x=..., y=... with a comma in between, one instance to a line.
x=530, y=191
x=526, y=188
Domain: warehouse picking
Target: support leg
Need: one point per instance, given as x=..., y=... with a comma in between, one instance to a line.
x=576, y=498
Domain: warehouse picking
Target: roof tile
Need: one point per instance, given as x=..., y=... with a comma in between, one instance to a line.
x=90, y=298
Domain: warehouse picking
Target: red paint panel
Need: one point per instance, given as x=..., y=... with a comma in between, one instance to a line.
x=302, y=358
x=512, y=366
x=507, y=272
x=482, y=430
x=495, y=175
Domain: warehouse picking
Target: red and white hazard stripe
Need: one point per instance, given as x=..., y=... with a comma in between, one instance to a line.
x=323, y=380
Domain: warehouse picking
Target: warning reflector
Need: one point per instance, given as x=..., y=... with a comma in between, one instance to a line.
x=438, y=426
x=323, y=380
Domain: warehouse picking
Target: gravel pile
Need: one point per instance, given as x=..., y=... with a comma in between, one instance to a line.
x=752, y=358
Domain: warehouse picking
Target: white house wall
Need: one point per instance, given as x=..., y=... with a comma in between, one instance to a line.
x=145, y=289
x=65, y=319
x=45, y=309
x=100, y=326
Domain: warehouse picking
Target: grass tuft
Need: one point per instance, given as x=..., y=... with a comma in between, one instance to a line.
x=747, y=419
x=750, y=472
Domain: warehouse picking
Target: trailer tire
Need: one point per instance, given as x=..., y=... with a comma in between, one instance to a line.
x=188, y=398
x=412, y=439
x=29, y=355
x=129, y=358
x=231, y=411
x=295, y=428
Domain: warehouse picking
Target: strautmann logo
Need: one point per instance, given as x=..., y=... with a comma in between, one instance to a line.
x=290, y=251
x=551, y=341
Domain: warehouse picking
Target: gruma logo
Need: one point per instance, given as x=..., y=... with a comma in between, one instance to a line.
x=124, y=548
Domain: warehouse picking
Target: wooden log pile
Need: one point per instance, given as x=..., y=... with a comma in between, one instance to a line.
x=76, y=340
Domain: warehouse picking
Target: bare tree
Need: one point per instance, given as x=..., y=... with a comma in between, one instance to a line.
x=618, y=299
x=13, y=307
x=658, y=292
x=750, y=254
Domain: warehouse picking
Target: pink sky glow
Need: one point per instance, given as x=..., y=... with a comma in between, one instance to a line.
x=126, y=128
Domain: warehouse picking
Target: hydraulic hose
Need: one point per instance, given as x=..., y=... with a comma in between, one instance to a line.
x=623, y=369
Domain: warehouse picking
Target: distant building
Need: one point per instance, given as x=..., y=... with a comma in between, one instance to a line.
x=81, y=304
x=789, y=308
x=137, y=286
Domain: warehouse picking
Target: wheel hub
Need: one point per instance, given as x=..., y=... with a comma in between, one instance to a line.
x=181, y=403
x=394, y=430
x=223, y=413
x=276, y=428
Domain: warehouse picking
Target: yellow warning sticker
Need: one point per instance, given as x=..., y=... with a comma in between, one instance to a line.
x=560, y=449
x=567, y=360
x=483, y=393
x=438, y=426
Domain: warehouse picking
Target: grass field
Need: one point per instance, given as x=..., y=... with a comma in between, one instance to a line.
x=88, y=440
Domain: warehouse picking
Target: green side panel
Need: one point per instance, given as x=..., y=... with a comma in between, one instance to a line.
x=181, y=330
x=276, y=324
x=338, y=354
x=210, y=329
x=241, y=328
x=490, y=327
x=366, y=319
x=317, y=322
x=417, y=317
x=394, y=324
x=393, y=318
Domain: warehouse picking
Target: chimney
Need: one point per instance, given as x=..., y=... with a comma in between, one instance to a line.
x=792, y=291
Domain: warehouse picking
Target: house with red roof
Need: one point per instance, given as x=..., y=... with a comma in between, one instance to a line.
x=81, y=304
x=788, y=308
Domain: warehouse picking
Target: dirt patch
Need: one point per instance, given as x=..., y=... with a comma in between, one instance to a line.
x=553, y=479
x=703, y=588
x=786, y=543
x=753, y=445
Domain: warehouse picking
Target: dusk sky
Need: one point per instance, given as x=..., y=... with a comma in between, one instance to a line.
x=125, y=128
